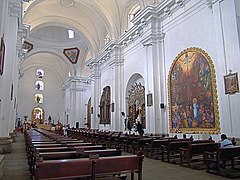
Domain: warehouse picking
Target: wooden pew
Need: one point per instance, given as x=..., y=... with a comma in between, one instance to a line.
x=140, y=144
x=129, y=142
x=171, y=149
x=224, y=155
x=78, y=144
x=40, y=156
x=59, y=169
x=156, y=146
x=77, y=154
x=110, y=166
x=195, y=153
x=103, y=167
x=53, y=149
x=101, y=153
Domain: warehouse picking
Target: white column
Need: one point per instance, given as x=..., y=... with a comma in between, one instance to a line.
x=10, y=37
x=117, y=94
x=164, y=120
x=3, y=29
x=74, y=90
x=95, y=97
x=152, y=85
x=81, y=109
x=72, y=116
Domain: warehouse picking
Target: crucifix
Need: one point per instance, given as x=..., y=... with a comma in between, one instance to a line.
x=186, y=61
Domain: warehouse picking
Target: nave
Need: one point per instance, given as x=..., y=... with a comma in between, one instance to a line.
x=16, y=167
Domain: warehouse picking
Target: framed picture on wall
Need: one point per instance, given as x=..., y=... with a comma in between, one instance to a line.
x=2, y=53
x=231, y=83
x=112, y=107
x=149, y=99
x=192, y=93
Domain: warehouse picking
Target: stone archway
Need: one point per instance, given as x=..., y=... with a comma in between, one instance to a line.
x=136, y=104
x=135, y=96
x=105, y=106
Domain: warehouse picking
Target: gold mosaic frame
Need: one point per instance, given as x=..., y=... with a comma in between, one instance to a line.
x=207, y=122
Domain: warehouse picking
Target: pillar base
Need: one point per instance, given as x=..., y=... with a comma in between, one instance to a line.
x=13, y=136
x=5, y=145
x=1, y=166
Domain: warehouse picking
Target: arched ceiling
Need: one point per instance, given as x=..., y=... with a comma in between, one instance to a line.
x=91, y=21
x=49, y=62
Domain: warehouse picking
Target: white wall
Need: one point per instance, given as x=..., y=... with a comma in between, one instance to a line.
x=196, y=24
x=53, y=101
x=215, y=31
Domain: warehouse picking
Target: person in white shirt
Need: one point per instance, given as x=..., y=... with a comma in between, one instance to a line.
x=225, y=142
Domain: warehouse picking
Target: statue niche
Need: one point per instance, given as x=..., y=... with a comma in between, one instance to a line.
x=105, y=106
x=136, y=104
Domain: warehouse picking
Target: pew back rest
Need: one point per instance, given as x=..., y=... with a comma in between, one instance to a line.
x=118, y=164
x=57, y=155
x=101, y=153
x=201, y=141
x=229, y=153
x=56, y=169
x=143, y=141
x=200, y=148
x=158, y=143
x=175, y=145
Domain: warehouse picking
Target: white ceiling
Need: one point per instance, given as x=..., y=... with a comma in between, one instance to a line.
x=91, y=20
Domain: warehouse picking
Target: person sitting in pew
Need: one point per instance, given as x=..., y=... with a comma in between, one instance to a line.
x=224, y=142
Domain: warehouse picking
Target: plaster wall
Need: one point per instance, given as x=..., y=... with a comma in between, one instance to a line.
x=53, y=100
x=214, y=31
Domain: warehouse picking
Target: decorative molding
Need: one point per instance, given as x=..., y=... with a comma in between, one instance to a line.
x=210, y=4
x=27, y=46
x=72, y=54
x=67, y=3
x=76, y=84
x=15, y=8
x=180, y=3
x=22, y=33
x=136, y=103
x=95, y=71
x=167, y=11
x=149, y=15
x=161, y=37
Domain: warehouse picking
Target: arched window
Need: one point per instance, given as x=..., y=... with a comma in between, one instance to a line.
x=38, y=98
x=39, y=85
x=39, y=72
x=132, y=13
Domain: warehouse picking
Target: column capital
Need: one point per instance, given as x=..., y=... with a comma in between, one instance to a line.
x=210, y=4
x=76, y=84
x=161, y=37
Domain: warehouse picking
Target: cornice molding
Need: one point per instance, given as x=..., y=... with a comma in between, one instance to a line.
x=150, y=16
x=15, y=8
x=76, y=84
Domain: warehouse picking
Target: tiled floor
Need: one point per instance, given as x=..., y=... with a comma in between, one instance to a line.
x=16, y=167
